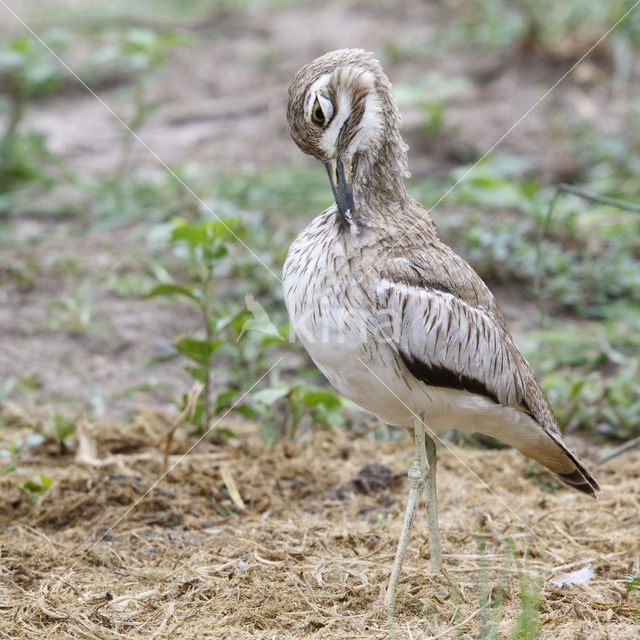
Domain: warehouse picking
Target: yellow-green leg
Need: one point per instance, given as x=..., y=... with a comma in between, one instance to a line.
x=422, y=474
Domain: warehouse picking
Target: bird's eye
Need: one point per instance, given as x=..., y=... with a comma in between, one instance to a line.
x=317, y=114
x=321, y=110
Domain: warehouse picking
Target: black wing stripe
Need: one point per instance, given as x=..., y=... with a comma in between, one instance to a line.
x=438, y=376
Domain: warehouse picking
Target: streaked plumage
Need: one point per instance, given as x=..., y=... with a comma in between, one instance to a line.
x=392, y=316
x=385, y=290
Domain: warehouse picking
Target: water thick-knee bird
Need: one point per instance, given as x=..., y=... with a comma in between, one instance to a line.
x=394, y=318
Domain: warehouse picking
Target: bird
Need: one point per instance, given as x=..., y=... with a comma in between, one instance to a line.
x=390, y=314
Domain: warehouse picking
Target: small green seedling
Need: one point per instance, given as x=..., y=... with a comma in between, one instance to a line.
x=143, y=51
x=204, y=245
x=32, y=488
x=632, y=583
x=27, y=72
x=283, y=407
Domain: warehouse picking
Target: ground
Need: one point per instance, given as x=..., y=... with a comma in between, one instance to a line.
x=240, y=539
x=297, y=540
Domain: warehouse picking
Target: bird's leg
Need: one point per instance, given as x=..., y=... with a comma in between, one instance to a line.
x=417, y=475
x=432, y=505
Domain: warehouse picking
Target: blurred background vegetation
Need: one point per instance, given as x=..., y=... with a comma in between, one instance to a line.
x=128, y=130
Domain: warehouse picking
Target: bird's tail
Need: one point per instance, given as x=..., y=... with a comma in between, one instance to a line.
x=551, y=452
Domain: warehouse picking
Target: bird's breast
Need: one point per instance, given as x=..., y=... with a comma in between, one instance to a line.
x=328, y=297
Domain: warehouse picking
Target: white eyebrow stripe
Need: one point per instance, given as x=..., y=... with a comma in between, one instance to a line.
x=369, y=129
x=329, y=139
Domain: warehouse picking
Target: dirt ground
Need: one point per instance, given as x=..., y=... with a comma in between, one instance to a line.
x=243, y=541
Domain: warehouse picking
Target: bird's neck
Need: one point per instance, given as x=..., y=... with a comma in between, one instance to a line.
x=378, y=185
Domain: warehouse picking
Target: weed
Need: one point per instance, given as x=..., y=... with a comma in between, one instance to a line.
x=491, y=600
x=431, y=94
x=143, y=51
x=544, y=24
x=282, y=408
x=58, y=428
x=75, y=313
x=632, y=583
x=33, y=488
x=204, y=246
x=287, y=191
x=155, y=198
x=27, y=72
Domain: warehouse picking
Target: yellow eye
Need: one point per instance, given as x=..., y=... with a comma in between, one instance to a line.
x=317, y=114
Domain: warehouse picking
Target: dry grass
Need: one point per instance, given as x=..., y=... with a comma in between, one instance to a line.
x=307, y=546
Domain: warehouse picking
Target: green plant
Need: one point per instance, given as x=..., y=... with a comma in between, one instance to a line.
x=58, y=428
x=544, y=24
x=143, y=51
x=203, y=246
x=75, y=313
x=27, y=72
x=33, y=488
x=431, y=94
x=632, y=583
x=551, y=254
x=138, y=54
x=282, y=408
x=10, y=452
x=156, y=197
x=526, y=626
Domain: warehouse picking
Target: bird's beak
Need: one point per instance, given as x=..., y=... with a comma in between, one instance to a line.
x=340, y=177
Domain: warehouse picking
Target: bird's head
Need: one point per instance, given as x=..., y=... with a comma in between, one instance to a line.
x=342, y=111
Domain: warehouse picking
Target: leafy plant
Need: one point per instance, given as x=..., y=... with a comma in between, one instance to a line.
x=527, y=624
x=431, y=94
x=27, y=72
x=33, y=488
x=282, y=408
x=75, y=313
x=550, y=27
x=204, y=246
x=632, y=583
x=58, y=428
x=584, y=277
x=9, y=453
x=143, y=51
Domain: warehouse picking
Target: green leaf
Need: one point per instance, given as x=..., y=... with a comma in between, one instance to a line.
x=222, y=400
x=197, y=373
x=270, y=395
x=225, y=433
x=172, y=289
x=192, y=233
x=632, y=582
x=32, y=485
x=312, y=397
x=246, y=411
x=200, y=351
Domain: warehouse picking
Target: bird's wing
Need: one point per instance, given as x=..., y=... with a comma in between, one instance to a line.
x=446, y=341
